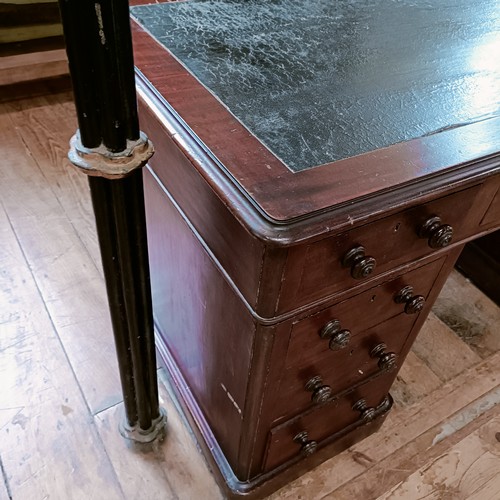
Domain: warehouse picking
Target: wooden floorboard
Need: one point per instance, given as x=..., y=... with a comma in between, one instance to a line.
x=442, y=350
x=49, y=445
x=473, y=316
x=149, y=468
x=468, y=469
x=47, y=124
x=65, y=273
x=59, y=395
x=414, y=381
x=4, y=492
x=4, y=495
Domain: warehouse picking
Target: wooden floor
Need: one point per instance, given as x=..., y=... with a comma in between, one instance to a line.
x=59, y=389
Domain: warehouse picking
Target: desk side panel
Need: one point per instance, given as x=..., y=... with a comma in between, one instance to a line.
x=204, y=326
x=236, y=250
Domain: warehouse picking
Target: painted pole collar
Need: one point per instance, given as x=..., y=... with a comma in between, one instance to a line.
x=101, y=162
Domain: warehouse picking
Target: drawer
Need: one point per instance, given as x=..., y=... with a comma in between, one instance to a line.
x=328, y=421
x=357, y=314
x=317, y=270
x=336, y=371
x=492, y=216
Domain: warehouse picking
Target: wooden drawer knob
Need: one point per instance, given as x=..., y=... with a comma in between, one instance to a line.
x=438, y=235
x=386, y=360
x=320, y=392
x=361, y=265
x=413, y=303
x=367, y=413
x=339, y=337
x=307, y=446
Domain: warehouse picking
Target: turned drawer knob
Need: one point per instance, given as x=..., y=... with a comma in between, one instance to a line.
x=361, y=265
x=307, y=447
x=339, y=337
x=438, y=235
x=413, y=303
x=386, y=360
x=367, y=412
x=320, y=392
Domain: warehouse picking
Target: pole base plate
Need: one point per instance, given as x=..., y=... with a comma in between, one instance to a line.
x=155, y=432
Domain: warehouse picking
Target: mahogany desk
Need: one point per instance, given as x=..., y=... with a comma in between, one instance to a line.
x=319, y=166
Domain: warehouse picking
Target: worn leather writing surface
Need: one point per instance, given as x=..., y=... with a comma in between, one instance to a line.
x=321, y=80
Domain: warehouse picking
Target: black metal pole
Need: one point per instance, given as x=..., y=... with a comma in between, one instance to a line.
x=112, y=270
x=109, y=147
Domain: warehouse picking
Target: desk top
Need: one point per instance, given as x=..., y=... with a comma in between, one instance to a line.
x=373, y=94
x=317, y=81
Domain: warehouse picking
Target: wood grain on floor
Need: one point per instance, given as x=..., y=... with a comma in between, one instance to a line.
x=49, y=445
x=63, y=267
x=60, y=394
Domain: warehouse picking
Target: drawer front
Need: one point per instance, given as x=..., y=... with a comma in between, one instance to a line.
x=492, y=216
x=326, y=421
x=337, y=371
x=356, y=314
x=324, y=268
